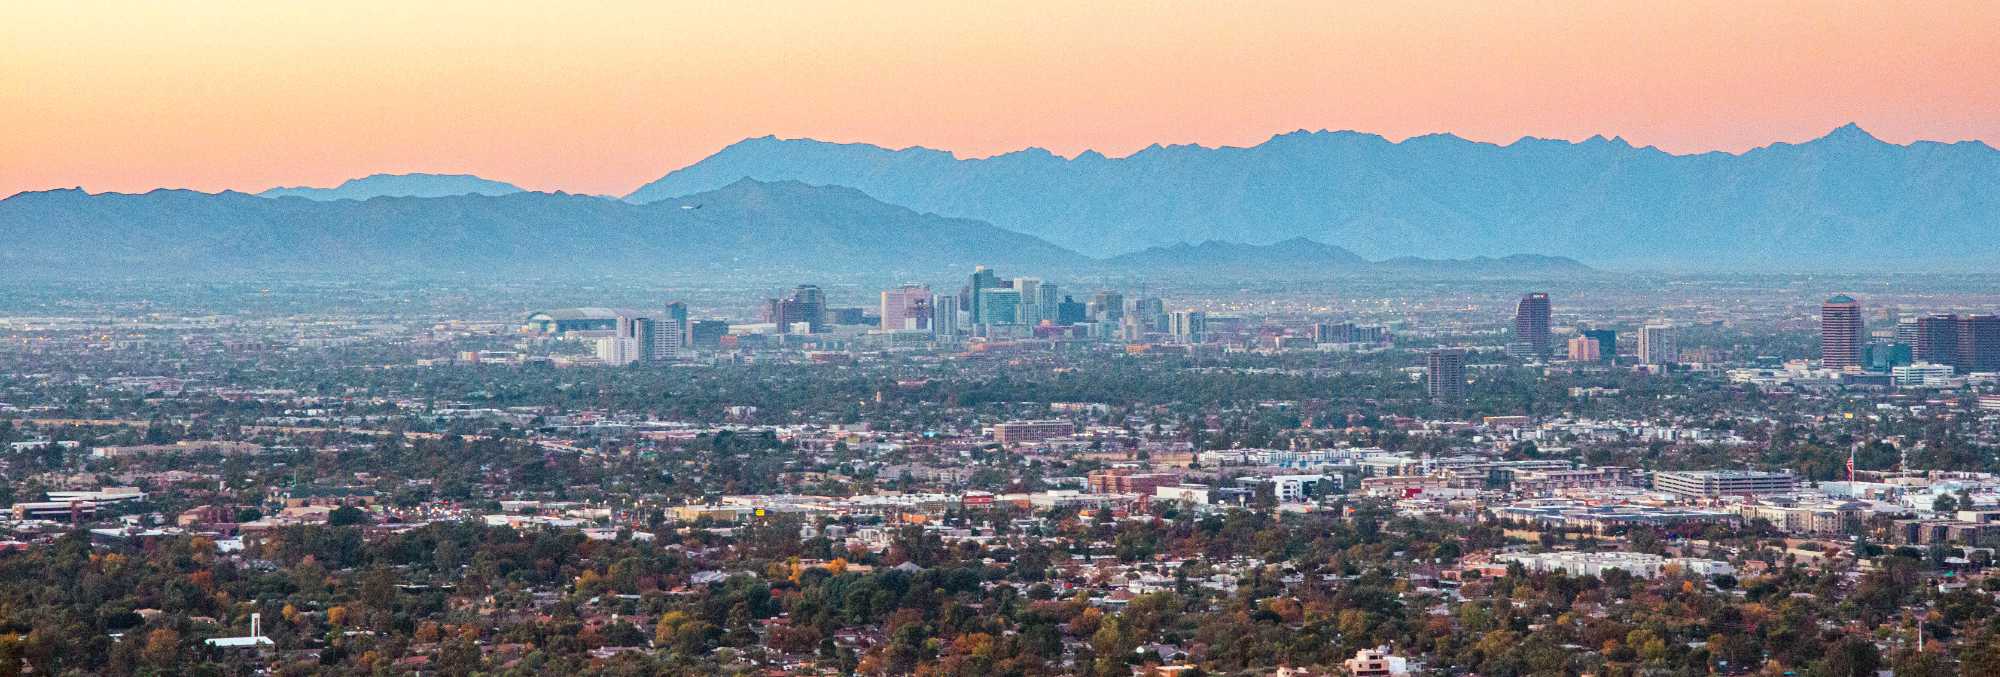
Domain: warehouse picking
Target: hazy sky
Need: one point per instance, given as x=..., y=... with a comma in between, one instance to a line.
x=601, y=97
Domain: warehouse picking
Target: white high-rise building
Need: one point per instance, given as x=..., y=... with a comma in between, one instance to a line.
x=619, y=351
x=1030, y=311
x=1188, y=326
x=1657, y=345
x=668, y=337
x=944, y=315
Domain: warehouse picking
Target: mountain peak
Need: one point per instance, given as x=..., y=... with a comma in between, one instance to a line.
x=1850, y=132
x=417, y=184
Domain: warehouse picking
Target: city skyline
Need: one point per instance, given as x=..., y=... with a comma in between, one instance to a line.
x=1000, y=339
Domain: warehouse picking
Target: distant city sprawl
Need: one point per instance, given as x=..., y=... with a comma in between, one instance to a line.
x=1003, y=472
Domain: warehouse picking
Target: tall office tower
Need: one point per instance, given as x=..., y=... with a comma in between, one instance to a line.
x=812, y=304
x=631, y=340
x=806, y=305
x=1658, y=345
x=671, y=336
x=983, y=278
x=1906, y=331
x=944, y=315
x=1131, y=329
x=1531, y=326
x=1152, y=313
x=1978, y=344
x=999, y=306
x=1607, y=343
x=1937, y=340
x=1048, y=302
x=1070, y=311
x=1841, y=333
x=1584, y=349
x=1107, y=306
x=1187, y=326
x=1444, y=374
x=906, y=308
x=646, y=334
x=1030, y=311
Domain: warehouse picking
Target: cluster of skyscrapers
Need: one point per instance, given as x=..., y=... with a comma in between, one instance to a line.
x=992, y=306
x=1964, y=343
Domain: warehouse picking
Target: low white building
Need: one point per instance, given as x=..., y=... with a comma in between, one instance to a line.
x=1638, y=564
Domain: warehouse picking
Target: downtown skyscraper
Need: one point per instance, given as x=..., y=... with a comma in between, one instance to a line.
x=1531, y=326
x=1842, y=333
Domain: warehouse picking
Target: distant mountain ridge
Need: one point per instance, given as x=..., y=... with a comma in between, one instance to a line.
x=1844, y=198
x=781, y=227
x=399, y=185
x=748, y=227
x=1289, y=254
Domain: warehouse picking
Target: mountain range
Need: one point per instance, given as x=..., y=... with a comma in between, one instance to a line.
x=1845, y=198
x=399, y=185
x=748, y=228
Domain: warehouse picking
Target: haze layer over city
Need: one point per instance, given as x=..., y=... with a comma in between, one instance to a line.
x=1113, y=339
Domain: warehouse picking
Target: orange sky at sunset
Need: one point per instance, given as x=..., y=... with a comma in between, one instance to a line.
x=601, y=97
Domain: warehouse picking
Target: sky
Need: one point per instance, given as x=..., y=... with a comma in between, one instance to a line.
x=600, y=97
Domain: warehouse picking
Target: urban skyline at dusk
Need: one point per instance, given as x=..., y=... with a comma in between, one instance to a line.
x=1443, y=338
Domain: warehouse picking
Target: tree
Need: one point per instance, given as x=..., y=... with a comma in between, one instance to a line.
x=346, y=515
x=163, y=647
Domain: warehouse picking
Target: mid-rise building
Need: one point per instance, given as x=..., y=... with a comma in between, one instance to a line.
x=1584, y=349
x=1444, y=374
x=1331, y=332
x=1978, y=344
x=1921, y=375
x=906, y=308
x=1013, y=432
x=1607, y=343
x=1127, y=481
x=707, y=334
x=1718, y=483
